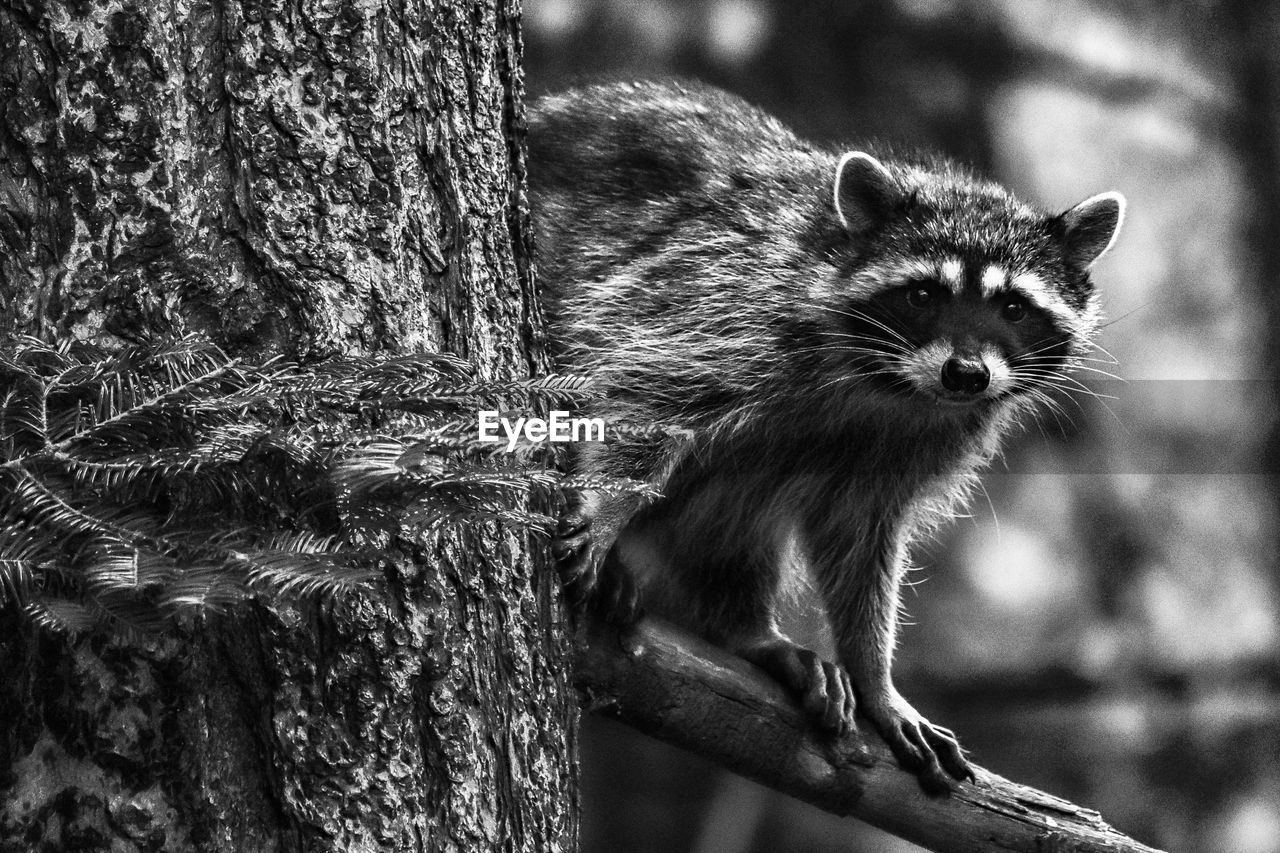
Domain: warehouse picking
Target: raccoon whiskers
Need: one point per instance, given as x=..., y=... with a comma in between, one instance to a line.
x=851, y=377
x=1126, y=315
x=844, y=340
x=1046, y=345
x=871, y=369
x=1100, y=348
x=1052, y=380
x=1071, y=384
x=1043, y=393
x=1057, y=342
x=1108, y=374
x=1041, y=361
x=881, y=350
x=995, y=517
x=878, y=345
x=849, y=348
x=896, y=346
x=862, y=316
x=1056, y=381
x=1050, y=405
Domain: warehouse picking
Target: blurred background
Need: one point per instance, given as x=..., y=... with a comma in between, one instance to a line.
x=1106, y=625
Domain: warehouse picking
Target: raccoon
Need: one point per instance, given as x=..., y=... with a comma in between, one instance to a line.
x=839, y=340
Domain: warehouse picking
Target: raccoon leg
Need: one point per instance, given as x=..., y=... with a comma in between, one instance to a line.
x=590, y=571
x=742, y=618
x=721, y=571
x=862, y=604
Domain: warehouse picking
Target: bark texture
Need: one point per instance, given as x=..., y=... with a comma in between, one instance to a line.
x=299, y=178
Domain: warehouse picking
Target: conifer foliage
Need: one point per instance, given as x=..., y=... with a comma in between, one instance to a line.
x=138, y=484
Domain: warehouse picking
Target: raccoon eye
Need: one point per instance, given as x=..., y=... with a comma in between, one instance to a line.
x=1015, y=310
x=919, y=297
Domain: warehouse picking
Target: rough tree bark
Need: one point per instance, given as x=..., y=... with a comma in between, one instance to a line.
x=298, y=177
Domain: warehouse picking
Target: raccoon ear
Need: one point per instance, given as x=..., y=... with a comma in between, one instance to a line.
x=865, y=192
x=1091, y=227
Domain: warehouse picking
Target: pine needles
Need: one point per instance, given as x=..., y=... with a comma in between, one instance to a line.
x=137, y=484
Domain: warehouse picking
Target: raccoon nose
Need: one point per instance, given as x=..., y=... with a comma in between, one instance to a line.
x=964, y=376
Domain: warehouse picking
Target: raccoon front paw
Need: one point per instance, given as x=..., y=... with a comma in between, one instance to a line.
x=571, y=548
x=823, y=688
x=592, y=575
x=929, y=751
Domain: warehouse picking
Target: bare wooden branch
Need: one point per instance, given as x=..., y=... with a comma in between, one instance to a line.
x=682, y=690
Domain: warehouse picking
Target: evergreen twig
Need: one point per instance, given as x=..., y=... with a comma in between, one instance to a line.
x=161, y=478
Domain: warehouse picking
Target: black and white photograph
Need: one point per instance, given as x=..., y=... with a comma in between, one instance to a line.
x=639, y=426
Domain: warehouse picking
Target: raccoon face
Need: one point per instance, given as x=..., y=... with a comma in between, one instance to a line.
x=934, y=336
x=961, y=294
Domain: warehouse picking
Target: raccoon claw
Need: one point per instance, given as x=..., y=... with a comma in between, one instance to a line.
x=572, y=535
x=931, y=752
x=823, y=688
x=572, y=550
x=594, y=578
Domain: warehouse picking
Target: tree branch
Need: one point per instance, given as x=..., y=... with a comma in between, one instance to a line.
x=682, y=690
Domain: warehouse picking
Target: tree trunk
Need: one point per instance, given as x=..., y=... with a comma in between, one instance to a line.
x=303, y=178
